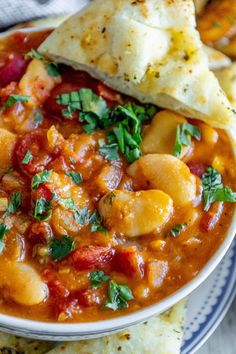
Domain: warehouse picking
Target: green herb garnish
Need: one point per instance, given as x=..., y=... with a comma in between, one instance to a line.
x=27, y=158
x=95, y=221
x=97, y=278
x=52, y=68
x=75, y=176
x=38, y=117
x=175, y=231
x=14, y=98
x=40, y=178
x=109, y=151
x=42, y=209
x=183, y=137
x=118, y=295
x=214, y=190
x=14, y=204
x=61, y=247
x=3, y=231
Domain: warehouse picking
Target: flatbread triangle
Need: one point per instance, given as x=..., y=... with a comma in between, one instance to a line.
x=148, y=49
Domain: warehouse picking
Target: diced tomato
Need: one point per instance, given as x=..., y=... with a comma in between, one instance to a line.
x=156, y=272
x=56, y=288
x=88, y=297
x=111, y=96
x=129, y=261
x=64, y=307
x=36, y=143
x=13, y=70
x=91, y=257
x=44, y=192
x=40, y=232
x=211, y=218
x=197, y=169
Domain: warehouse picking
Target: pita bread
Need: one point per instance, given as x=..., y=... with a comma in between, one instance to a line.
x=12, y=344
x=141, y=48
x=227, y=80
x=160, y=335
x=217, y=60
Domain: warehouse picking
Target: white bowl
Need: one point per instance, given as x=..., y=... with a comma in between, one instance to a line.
x=76, y=331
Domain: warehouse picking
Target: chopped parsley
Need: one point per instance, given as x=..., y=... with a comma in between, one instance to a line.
x=126, y=121
x=109, y=151
x=81, y=215
x=214, y=190
x=61, y=247
x=34, y=54
x=27, y=158
x=97, y=278
x=75, y=176
x=40, y=178
x=183, y=137
x=118, y=296
x=96, y=223
x=38, y=117
x=3, y=231
x=14, y=98
x=92, y=107
x=52, y=68
x=14, y=204
x=176, y=230
x=42, y=209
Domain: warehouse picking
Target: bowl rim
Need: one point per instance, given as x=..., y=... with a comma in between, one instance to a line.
x=68, y=331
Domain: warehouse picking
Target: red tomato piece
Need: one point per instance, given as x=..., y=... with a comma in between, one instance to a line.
x=56, y=288
x=129, y=261
x=88, y=297
x=13, y=70
x=197, y=169
x=91, y=257
x=211, y=218
x=36, y=143
x=40, y=232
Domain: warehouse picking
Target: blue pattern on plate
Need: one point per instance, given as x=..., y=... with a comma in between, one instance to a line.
x=221, y=290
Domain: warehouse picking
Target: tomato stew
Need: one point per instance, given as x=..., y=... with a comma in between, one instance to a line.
x=106, y=205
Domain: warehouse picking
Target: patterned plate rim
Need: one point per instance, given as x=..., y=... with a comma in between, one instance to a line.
x=218, y=310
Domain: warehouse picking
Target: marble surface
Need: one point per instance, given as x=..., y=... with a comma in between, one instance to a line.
x=223, y=340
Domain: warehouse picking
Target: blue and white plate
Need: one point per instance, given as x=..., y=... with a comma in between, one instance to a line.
x=209, y=303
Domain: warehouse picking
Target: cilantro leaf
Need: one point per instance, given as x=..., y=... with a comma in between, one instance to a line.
x=81, y=215
x=118, y=295
x=75, y=176
x=61, y=247
x=38, y=117
x=12, y=99
x=175, y=231
x=42, y=209
x=3, y=231
x=214, y=190
x=40, y=178
x=14, y=204
x=96, y=220
x=109, y=151
x=52, y=69
x=34, y=54
x=183, y=137
x=98, y=277
x=27, y=158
